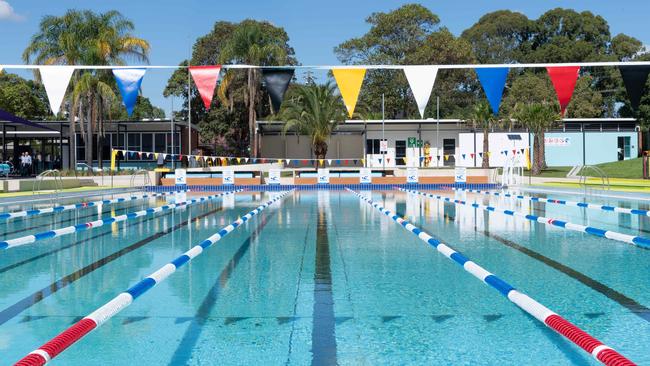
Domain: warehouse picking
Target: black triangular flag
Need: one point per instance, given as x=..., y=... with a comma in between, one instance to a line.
x=634, y=78
x=277, y=81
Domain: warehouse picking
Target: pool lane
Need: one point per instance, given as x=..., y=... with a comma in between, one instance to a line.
x=81, y=296
x=579, y=298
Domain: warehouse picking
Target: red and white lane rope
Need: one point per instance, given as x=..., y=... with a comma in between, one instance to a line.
x=579, y=337
x=94, y=320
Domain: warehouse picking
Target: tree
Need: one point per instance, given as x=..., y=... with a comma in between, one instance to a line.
x=314, y=110
x=483, y=118
x=538, y=118
x=21, y=97
x=235, y=87
x=87, y=38
x=502, y=36
x=408, y=35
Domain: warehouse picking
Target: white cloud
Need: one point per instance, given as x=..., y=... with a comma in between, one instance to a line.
x=7, y=12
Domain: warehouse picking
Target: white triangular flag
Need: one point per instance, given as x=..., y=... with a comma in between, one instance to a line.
x=287, y=160
x=56, y=80
x=421, y=80
x=246, y=160
x=329, y=161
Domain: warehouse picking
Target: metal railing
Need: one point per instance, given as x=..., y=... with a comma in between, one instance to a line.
x=146, y=181
x=53, y=175
x=596, y=172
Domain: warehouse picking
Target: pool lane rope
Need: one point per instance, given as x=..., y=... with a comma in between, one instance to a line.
x=28, y=239
x=582, y=339
x=94, y=320
x=639, y=241
x=593, y=206
x=74, y=206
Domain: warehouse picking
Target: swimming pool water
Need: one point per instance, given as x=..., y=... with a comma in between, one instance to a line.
x=322, y=278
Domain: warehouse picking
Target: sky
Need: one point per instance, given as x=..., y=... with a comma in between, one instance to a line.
x=314, y=27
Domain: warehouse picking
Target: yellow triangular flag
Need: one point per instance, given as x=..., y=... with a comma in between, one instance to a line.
x=320, y=161
x=349, y=82
x=446, y=157
x=405, y=160
x=238, y=160
x=363, y=161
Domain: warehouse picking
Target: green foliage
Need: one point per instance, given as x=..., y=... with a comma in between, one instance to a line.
x=408, y=35
x=248, y=42
x=538, y=118
x=315, y=111
x=21, y=97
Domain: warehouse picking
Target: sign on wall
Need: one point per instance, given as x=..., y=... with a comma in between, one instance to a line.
x=228, y=177
x=180, y=177
x=460, y=174
x=383, y=146
x=365, y=176
x=557, y=141
x=323, y=176
x=411, y=175
x=274, y=176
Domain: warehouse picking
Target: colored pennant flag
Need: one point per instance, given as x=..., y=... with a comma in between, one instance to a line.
x=634, y=78
x=463, y=155
x=205, y=78
x=363, y=161
x=379, y=160
x=493, y=80
x=329, y=161
x=564, y=81
x=129, y=82
x=338, y=162
x=321, y=162
x=287, y=160
x=387, y=160
x=446, y=157
x=421, y=80
x=276, y=82
x=349, y=82
x=55, y=80
x=238, y=160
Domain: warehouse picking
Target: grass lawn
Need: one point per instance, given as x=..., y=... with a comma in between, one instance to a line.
x=628, y=169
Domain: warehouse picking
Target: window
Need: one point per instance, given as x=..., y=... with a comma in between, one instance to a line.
x=159, y=143
x=176, y=142
x=134, y=144
x=147, y=142
x=449, y=148
x=373, y=146
x=400, y=151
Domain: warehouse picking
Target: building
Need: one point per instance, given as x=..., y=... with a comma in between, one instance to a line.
x=57, y=150
x=451, y=142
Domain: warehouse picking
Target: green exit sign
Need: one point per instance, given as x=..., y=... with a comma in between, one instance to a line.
x=413, y=142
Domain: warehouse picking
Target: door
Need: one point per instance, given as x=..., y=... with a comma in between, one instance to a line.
x=623, y=149
x=400, y=151
x=449, y=148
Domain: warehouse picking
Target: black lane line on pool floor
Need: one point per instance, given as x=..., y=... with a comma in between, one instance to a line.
x=632, y=305
x=27, y=302
x=183, y=352
x=71, y=219
x=323, y=336
x=74, y=244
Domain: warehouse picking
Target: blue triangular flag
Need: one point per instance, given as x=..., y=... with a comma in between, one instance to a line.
x=129, y=81
x=379, y=160
x=493, y=80
x=338, y=162
x=463, y=156
x=505, y=152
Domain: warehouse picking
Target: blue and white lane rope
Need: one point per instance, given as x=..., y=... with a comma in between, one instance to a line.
x=28, y=239
x=593, y=206
x=100, y=316
x=596, y=348
x=639, y=241
x=75, y=206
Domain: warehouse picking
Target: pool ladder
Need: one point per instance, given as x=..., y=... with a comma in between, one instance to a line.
x=55, y=176
x=597, y=173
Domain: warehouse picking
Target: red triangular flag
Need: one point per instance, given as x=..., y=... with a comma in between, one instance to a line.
x=564, y=81
x=205, y=78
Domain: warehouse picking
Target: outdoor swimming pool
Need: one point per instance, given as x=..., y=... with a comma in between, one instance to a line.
x=321, y=277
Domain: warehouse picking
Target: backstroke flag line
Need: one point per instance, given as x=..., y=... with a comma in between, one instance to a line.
x=205, y=78
x=277, y=81
x=493, y=80
x=129, y=82
x=564, y=81
x=349, y=82
x=634, y=78
x=55, y=80
x=421, y=80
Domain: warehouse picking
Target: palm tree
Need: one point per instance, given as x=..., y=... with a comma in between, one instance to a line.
x=251, y=45
x=315, y=111
x=482, y=117
x=87, y=38
x=538, y=117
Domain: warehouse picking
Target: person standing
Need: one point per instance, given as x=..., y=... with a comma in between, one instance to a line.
x=28, y=162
